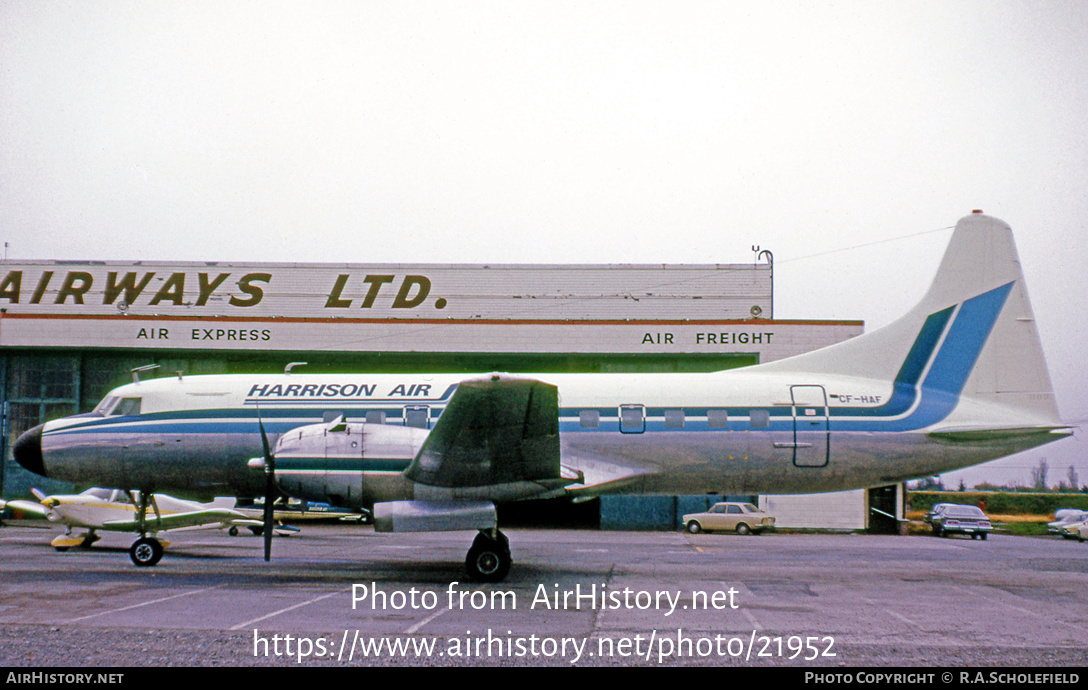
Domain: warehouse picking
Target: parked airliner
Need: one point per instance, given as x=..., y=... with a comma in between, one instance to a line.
x=959, y=380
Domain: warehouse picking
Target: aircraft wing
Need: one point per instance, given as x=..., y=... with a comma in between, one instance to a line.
x=498, y=439
x=257, y=515
x=210, y=517
x=598, y=475
x=32, y=507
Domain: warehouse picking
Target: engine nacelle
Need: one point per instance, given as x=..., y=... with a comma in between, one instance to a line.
x=352, y=465
x=434, y=516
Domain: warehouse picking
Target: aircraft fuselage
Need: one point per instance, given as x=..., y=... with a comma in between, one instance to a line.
x=728, y=432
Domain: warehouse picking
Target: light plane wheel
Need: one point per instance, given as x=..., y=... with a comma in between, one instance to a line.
x=145, y=551
x=694, y=527
x=62, y=549
x=743, y=529
x=982, y=536
x=489, y=559
x=233, y=531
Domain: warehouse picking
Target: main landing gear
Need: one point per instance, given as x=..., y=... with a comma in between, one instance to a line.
x=489, y=558
x=145, y=551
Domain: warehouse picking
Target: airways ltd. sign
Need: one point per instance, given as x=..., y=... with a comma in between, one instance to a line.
x=521, y=292
x=45, y=288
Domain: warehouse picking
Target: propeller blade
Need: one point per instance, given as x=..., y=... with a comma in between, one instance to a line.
x=269, y=489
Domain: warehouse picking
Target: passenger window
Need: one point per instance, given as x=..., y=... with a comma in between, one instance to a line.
x=375, y=417
x=717, y=419
x=674, y=419
x=589, y=419
x=734, y=509
x=418, y=417
x=760, y=419
x=632, y=418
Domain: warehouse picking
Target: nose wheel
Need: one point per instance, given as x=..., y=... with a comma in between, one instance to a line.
x=489, y=558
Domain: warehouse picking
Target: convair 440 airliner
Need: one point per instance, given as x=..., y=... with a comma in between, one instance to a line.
x=959, y=380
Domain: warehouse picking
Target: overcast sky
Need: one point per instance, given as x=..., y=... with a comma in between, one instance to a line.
x=565, y=132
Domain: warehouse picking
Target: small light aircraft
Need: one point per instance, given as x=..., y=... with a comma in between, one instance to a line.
x=113, y=510
x=959, y=380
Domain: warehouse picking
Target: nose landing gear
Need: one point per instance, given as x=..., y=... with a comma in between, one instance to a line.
x=489, y=558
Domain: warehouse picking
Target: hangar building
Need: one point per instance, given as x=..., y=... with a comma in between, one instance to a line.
x=70, y=331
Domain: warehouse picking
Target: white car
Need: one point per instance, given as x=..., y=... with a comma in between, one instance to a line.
x=1067, y=518
x=1073, y=529
x=742, y=518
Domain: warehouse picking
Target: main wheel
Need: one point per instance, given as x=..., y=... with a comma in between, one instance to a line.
x=145, y=551
x=743, y=529
x=694, y=527
x=489, y=559
x=982, y=536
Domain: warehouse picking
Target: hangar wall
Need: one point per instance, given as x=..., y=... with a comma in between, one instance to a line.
x=839, y=510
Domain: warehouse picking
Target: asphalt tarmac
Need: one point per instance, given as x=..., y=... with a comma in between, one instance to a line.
x=342, y=595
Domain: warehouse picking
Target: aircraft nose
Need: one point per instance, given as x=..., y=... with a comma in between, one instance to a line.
x=28, y=450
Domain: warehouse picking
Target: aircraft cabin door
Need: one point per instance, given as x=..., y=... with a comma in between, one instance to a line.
x=811, y=436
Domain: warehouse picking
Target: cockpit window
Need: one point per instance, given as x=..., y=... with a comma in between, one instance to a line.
x=103, y=408
x=127, y=407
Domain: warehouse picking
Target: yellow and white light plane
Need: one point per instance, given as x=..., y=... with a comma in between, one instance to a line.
x=958, y=380
x=113, y=510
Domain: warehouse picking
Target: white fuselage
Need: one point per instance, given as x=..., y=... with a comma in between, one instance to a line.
x=729, y=432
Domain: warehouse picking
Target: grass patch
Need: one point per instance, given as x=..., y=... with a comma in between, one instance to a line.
x=1021, y=528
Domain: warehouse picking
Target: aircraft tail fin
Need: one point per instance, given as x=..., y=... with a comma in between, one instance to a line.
x=972, y=334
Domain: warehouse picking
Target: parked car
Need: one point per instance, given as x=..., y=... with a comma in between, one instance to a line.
x=742, y=518
x=961, y=519
x=936, y=510
x=1071, y=530
x=1067, y=518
